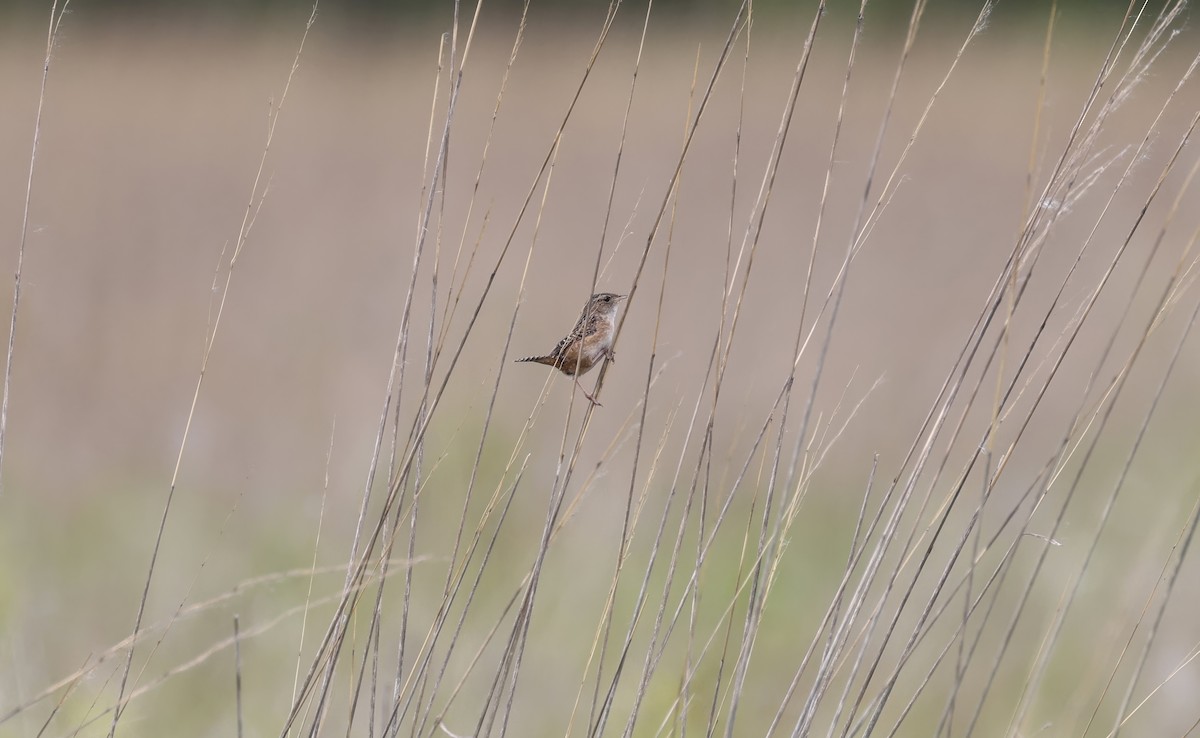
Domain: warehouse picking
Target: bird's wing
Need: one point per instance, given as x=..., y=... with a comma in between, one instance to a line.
x=563, y=344
x=588, y=327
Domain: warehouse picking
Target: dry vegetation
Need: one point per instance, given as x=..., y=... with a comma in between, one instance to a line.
x=900, y=439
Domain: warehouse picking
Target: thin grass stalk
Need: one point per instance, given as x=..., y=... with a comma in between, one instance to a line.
x=1090, y=303
x=56, y=16
x=757, y=601
x=1179, y=552
x=243, y=235
x=561, y=483
x=606, y=617
x=1136, y=446
x=600, y=710
x=1119, y=383
x=500, y=259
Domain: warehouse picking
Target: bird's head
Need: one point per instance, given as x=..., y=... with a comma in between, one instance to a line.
x=605, y=303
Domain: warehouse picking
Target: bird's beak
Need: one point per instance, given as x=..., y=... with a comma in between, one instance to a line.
x=622, y=297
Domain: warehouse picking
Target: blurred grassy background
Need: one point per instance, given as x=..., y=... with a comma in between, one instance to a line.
x=363, y=14
x=150, y=139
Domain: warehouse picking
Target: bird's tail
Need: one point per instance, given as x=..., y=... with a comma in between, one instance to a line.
x=547, y=360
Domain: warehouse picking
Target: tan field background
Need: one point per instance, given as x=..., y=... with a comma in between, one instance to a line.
x=150, y=141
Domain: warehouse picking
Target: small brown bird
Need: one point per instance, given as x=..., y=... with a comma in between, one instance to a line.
x=588, y=342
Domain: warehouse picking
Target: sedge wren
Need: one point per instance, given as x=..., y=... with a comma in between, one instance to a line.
x=588, y=342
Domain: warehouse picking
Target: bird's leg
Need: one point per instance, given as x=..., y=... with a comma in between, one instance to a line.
x=591, y=399
x=611, y=355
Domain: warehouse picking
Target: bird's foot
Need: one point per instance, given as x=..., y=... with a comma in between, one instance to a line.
x=586, y=394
